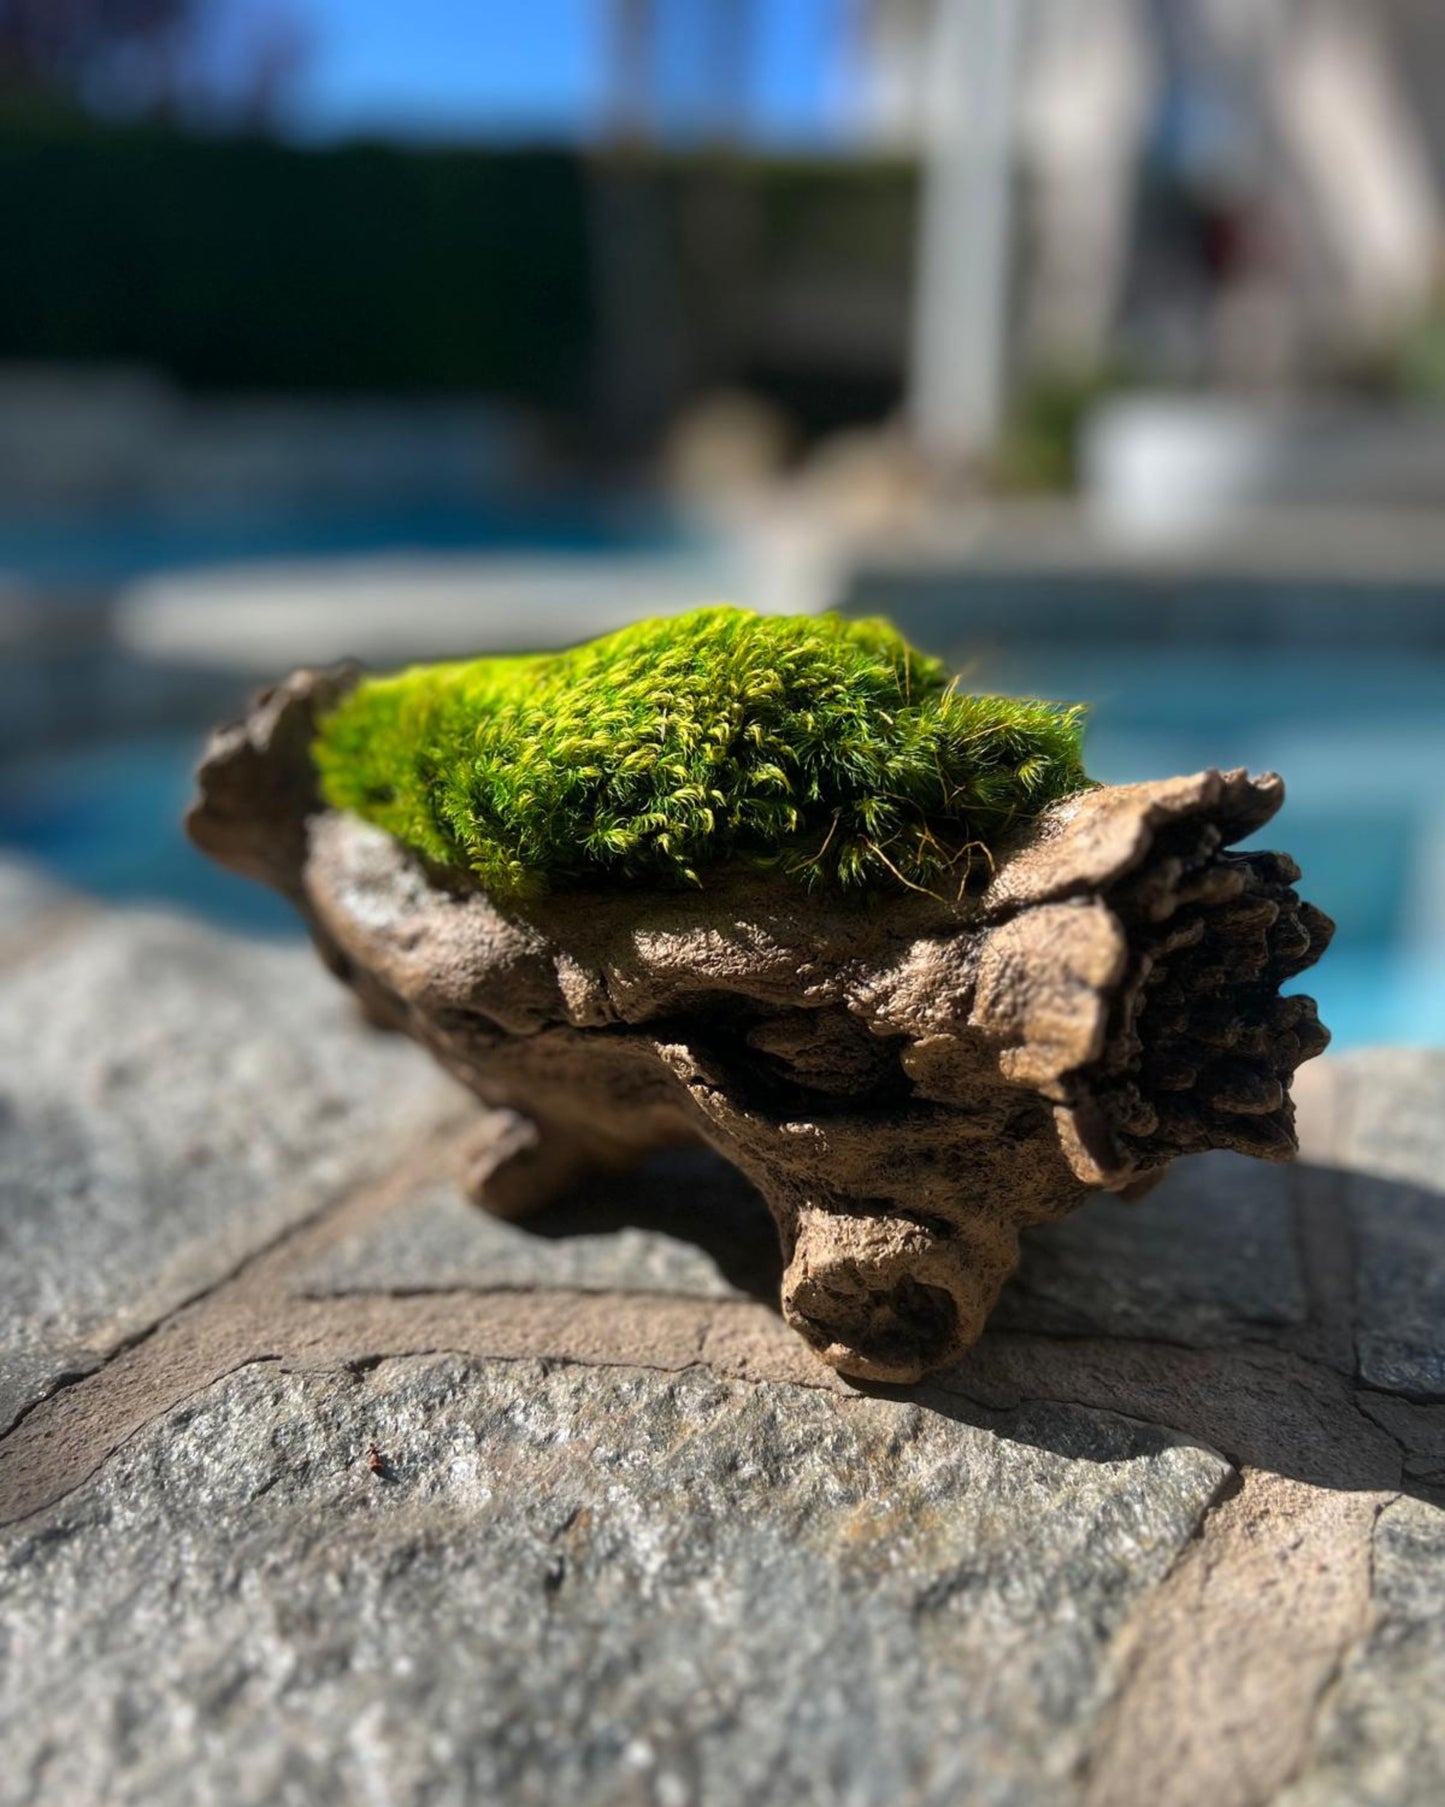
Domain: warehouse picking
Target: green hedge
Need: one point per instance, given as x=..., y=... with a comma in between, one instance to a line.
x=242, y=263
x=247, y=264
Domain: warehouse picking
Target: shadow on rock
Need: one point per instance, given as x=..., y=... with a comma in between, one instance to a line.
x=688, y=1194
x=1288, y=1317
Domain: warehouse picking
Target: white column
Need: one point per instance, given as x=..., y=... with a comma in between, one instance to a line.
x=961, y=305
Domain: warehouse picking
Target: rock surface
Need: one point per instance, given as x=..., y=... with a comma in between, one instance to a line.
x=169, y=1103
x=573, y=1584
x=1382, y=1733
x=326, y=1488
x=1396, y=1219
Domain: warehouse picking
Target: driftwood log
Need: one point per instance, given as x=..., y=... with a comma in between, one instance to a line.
x=908, y=1082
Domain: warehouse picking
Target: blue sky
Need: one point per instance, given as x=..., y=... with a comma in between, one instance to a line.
x=538, y=68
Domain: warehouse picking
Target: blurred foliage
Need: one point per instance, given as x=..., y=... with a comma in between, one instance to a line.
x=1417, y=368
x=1039, y=449
x=791, y=277
x=243, y=263
x=136, y=59
x=857, y=215
x=69, y=47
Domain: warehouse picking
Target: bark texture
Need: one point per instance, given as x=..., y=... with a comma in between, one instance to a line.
x=909, y=1084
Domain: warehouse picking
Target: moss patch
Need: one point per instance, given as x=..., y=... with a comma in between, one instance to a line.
x=829, y=747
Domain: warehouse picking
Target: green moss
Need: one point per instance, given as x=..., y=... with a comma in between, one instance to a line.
x=829, y=747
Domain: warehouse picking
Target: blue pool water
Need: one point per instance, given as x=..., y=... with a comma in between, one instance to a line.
x=1359, y=736
x=107, y=820
x=109, y=547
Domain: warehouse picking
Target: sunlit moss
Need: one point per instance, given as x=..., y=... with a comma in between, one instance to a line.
x=828, y=748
